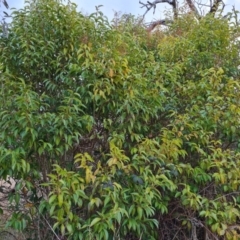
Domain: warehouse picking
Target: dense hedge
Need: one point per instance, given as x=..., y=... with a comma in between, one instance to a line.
x=115, y=133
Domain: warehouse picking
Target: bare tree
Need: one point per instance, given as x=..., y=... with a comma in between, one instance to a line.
x=194, y=7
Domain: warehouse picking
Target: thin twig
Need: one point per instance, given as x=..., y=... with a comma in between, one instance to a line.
x=225, y=195
x=8, y=233
x=51, y=227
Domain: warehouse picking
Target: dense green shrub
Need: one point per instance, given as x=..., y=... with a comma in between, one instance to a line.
x=126, y=134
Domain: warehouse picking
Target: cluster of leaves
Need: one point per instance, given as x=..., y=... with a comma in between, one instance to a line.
x=133, y=136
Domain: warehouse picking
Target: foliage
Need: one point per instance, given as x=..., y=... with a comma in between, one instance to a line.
x=117, y=134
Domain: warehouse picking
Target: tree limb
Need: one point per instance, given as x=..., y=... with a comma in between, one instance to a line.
x=150, y=5
x=152, y=25
x=193, y=8
x=215, y=6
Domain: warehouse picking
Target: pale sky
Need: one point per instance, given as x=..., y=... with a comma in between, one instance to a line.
x=124, y=6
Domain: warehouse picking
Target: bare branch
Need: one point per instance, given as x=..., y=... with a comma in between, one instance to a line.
x=211, y=3
x=152, y=25
x=50, y=227
x=152, y=5
x=214, y=5
x=205, y=5
x=193, y=8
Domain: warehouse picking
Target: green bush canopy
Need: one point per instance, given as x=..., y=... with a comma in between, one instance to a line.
x=112, y=132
